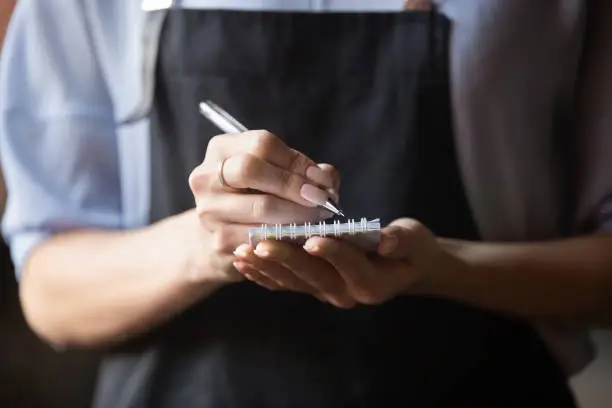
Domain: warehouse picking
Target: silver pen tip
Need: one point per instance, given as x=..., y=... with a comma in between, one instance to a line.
x=331, y=206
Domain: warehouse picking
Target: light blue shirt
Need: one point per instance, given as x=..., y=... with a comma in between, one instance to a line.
x=70, y=72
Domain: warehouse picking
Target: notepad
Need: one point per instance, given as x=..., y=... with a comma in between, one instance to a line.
x=363, y=233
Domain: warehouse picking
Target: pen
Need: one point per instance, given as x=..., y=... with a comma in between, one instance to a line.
x=226, y=123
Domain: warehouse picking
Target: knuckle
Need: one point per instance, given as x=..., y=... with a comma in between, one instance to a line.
x=299, y=162
x=214, y=143
x=197, y=180
x=334, y=173
x=262, y=206
x=417, y=227
x=420, y=233
x=409, y=224
x=263, y=141
x=285, y=181
x=247, y=166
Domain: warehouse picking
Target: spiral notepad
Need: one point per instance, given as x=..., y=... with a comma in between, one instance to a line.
x=363, y=233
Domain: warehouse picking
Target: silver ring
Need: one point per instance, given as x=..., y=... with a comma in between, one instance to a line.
x=220, y=175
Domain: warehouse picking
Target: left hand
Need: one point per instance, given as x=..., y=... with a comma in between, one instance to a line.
x=342, y=274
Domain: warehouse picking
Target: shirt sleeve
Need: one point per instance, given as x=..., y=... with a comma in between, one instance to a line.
x=58, y=145
x=594, y=162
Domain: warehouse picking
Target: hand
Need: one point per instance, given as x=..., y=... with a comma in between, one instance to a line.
x=266, y=182
x=337, y=272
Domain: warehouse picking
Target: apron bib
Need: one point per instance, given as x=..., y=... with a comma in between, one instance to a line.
x=369, y=93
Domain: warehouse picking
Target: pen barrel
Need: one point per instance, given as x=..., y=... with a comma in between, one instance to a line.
x=220, y=118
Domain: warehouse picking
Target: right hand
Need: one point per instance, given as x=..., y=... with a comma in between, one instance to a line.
x=270, y=183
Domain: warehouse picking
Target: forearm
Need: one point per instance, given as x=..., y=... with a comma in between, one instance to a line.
x=92, y=288
x=566, y=280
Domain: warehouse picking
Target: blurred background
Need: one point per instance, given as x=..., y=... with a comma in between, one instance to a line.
x=594, y=386
x=32, y=375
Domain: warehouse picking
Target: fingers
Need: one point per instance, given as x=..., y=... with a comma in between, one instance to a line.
x=247, y=171
x=351, y=263
x=256, y=209
x=260, y=161
x=232, y=206
x=272, y=271
x=315, y=272
x=272, y=149
x=364, y=282
x=255, y=276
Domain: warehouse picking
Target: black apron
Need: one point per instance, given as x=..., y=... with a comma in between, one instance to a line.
x=369, y=93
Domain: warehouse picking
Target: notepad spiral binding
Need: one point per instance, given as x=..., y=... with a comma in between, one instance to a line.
x=364, y=233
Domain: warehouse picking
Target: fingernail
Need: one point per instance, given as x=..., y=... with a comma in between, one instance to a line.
x=321, y=247
x=262, y=251
x=319, y=176
x=242, y=250
x=279, y=253
x=388, y=244
x=311, y=246
x=313, y=194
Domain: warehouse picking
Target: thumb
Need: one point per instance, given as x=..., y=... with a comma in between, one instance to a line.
x=404, y=238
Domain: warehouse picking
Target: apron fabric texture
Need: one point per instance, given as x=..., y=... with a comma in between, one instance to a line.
x=369, y=93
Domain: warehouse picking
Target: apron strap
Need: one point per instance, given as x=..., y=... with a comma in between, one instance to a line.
x=157, y=10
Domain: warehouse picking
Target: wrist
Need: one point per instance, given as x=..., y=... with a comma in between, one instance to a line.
x=189, y=254
x=452, y=271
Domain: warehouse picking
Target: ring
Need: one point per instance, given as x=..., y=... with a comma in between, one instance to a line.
x=220, y=175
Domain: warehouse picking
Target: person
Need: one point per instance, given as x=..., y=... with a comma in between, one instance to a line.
x=476, y=131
